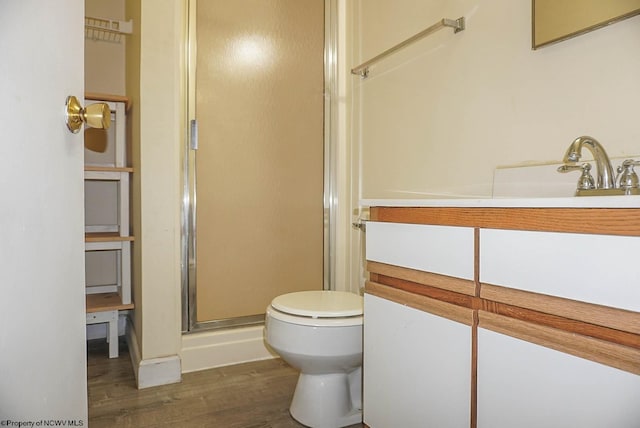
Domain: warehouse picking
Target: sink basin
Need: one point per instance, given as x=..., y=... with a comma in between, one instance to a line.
x=563, y=202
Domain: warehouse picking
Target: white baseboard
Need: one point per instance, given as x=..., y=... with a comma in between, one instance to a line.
x=134, y=351
x=209, y=349
x=153, y=371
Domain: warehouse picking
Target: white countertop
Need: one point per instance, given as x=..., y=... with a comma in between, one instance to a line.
x=564, y=202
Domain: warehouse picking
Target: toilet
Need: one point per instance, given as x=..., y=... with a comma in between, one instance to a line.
x=320, y=334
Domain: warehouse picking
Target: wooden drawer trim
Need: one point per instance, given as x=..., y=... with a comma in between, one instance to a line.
x=446, y=296
x=617, y=326
x=457, y=285
x=423, y=303
x=600, y=351
x=569, y=325
x=618, y=319
x=604, y=221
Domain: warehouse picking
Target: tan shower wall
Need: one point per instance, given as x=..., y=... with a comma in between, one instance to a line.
x=259, y=166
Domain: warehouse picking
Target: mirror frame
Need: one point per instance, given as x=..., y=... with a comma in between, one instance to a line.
x=570, y=34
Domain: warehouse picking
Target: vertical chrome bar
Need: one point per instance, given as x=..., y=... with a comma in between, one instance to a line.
x=330, y=139
x=188, y=179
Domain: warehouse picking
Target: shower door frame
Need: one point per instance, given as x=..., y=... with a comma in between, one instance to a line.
x=190, y=323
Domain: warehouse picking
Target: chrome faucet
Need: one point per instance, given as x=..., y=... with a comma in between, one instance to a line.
x=605, y=178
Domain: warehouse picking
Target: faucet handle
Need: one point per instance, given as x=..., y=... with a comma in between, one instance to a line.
x=627, y=177
x=586, y=181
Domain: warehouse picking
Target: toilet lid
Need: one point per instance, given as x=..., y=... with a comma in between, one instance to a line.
x=319, y=304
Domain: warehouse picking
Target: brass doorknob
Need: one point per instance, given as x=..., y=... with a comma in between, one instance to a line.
x=96, y=115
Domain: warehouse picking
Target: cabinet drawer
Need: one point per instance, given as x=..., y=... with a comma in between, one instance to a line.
x=445, y=250
x=599, y=269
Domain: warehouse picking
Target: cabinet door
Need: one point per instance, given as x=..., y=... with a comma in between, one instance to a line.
x=417, y=368
x=524, y=385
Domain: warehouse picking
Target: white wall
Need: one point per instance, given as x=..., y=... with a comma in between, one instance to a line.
x=440, y=115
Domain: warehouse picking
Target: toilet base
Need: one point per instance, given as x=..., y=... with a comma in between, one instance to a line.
x=328, y=400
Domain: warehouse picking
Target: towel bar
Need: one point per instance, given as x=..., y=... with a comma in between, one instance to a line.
x=457, y=25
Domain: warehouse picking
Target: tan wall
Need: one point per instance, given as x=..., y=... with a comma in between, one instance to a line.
x=161, y=134
x=155, y=83
x=104, y=61
x=439, y=116
x=132, y=72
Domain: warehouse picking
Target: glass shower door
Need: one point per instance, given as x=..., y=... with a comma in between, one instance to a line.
x=259, y=166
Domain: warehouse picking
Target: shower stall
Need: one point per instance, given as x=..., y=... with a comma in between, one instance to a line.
x=257, y=201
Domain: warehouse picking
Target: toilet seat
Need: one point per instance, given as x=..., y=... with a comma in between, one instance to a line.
x=319, y=304
x=318, y=308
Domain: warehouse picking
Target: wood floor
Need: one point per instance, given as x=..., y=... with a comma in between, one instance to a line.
x=251, y=395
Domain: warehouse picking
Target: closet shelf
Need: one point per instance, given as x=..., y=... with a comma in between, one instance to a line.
x=108, y=173
x=106, y=302
x=108, y=168
x=106, y=30
x=95, y=96
x=106, y=237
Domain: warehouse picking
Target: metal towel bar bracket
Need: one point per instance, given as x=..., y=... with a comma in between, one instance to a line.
x=457, y=25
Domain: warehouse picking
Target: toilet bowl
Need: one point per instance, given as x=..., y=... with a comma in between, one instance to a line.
x=320, y=334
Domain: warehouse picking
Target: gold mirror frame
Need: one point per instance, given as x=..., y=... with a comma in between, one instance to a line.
x=553, y=21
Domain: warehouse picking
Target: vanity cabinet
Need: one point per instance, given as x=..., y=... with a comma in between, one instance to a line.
x=548, y=319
